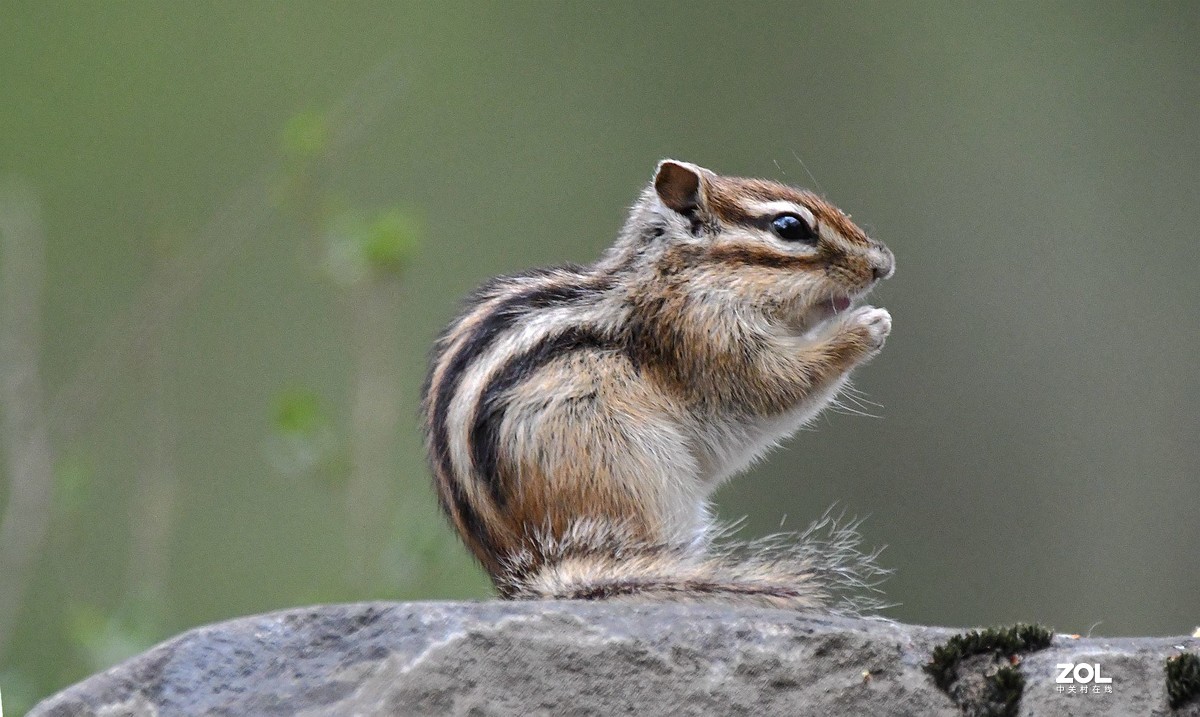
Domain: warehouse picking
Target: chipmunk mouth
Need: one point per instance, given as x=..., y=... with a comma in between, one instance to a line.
x=840, y=303
x=820, y=312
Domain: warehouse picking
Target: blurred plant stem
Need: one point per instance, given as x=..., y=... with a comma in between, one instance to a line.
x=132, y=339
x=373, y=309
x=241, y=217
x=363, y=256
x=156, y=485
x=163, y=295
x=23, y=427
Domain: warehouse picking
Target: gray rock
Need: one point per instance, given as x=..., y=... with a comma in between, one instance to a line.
x=561, y=658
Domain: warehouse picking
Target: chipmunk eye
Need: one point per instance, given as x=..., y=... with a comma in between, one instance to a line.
x=790, y=227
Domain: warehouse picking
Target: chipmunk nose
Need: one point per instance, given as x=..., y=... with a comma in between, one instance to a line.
x=883, y=263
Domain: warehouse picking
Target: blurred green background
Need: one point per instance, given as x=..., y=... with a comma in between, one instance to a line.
x=252, y=219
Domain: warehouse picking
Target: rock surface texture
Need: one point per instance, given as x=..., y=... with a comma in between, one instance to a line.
x=565, y=658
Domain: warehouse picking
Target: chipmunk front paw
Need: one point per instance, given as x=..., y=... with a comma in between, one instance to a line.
x=875, y=322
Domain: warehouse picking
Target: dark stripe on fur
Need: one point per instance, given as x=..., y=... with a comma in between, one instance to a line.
x=652, y=338
x=617, y=588
x=485, y=445
x=455, y=501
x=500, y=319
x=763, y=256
x=500, y=284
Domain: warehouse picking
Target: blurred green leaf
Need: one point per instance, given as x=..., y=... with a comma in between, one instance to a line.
x=306, y=135
x=391, y=239
x=359, y=245
x=298, y=411
x=303, y=439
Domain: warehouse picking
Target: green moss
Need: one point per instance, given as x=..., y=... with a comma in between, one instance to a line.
x=1007, y=685
x=1183, y=679
x=998, y=694
x=1000, y=641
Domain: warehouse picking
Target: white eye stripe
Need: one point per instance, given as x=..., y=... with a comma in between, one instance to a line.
x=781, y=206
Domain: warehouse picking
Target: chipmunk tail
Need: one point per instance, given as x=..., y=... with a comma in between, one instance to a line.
x=822, y=567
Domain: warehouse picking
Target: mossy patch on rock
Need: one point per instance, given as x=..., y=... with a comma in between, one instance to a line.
x=1183, y=679
x=978, y=669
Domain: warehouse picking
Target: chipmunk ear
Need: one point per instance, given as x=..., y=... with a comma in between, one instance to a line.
x=680, y=185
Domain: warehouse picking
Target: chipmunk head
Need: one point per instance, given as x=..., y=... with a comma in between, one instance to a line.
x=785, y=252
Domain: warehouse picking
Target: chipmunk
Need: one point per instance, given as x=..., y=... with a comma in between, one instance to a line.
x=578, y=418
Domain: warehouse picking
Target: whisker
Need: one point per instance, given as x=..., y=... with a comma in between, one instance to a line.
x=810, y=174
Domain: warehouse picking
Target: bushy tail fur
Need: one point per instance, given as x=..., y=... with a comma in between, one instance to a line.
x=821, y=567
